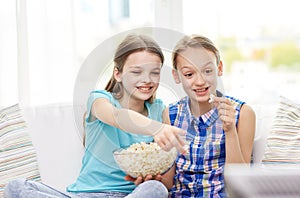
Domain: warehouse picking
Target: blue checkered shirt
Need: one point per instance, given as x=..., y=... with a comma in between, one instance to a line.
x=199, y=173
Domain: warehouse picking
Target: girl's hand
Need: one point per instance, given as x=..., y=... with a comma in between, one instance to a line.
x=226, y=113
x=137, y=181
x=169, y=136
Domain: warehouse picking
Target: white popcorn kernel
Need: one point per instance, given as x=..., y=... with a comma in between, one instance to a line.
x=211, y=98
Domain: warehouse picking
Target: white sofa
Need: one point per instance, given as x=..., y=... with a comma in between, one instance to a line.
x=56, y=132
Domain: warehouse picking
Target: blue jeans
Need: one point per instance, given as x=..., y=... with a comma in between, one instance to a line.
x=22, y=188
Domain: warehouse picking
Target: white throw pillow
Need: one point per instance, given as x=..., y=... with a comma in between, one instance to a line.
x=283, y=141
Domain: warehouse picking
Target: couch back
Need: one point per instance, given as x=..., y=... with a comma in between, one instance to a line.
x=56, y=132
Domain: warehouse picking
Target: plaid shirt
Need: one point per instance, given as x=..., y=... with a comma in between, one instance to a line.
x=199, y=173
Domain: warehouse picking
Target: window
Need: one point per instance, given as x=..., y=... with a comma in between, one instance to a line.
x=259, y=43
x=44, y=43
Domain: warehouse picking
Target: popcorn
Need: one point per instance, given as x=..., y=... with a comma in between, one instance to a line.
x=211, y=98
x=142, y=159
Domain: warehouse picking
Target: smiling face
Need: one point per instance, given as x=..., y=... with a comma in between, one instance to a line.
x=197, y=70
x=140, y=76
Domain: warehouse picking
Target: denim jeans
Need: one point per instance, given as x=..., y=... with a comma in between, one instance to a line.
x=22, y=188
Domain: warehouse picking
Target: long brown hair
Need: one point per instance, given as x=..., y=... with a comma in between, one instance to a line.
x=194, y=41
x=131, y=44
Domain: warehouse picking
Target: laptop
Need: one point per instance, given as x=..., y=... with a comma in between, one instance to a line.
x=262, y=181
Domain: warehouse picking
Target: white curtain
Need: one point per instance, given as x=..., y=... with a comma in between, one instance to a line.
x=44, y=43
x=49, y=54
x=37, y=53
x=8, y=54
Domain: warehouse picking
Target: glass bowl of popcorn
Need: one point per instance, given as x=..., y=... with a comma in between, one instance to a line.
x=142, y=159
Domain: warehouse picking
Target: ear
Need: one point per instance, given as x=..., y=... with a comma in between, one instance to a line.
x=176, y=76
x=117, y=75
x=220, y=68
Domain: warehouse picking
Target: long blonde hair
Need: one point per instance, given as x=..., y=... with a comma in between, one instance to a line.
x=131, y=44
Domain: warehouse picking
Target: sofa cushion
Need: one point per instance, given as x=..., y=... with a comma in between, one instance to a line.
x=56, y=131
x=17, y=154
x=283, y=141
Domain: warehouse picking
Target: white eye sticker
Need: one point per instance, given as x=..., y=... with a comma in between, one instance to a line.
x=211, y=98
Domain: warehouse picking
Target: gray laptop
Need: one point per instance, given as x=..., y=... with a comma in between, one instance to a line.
x=263, y=181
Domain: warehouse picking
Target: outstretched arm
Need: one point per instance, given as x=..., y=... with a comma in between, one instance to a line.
x=165, y=135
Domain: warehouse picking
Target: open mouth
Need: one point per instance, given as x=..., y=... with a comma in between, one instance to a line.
x=201, y=91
